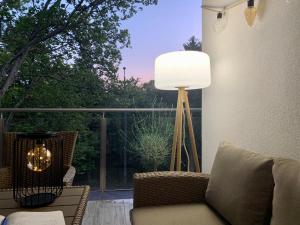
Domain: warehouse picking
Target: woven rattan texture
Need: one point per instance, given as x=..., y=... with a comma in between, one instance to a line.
x=8, y=145
x=82, y=206
x=69, y=176
x=5, y=178
x=166, y=188
x=69, y=138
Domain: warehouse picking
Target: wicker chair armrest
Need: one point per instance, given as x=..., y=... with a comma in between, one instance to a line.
x=5, y=178
x=165, y=188
x=69, y=176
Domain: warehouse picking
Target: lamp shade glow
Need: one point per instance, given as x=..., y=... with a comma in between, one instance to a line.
x=188, y=69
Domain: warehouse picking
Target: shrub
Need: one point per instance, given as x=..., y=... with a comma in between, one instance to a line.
x=151, y=142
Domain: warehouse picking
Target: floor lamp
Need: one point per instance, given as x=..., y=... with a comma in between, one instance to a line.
x=182, y=71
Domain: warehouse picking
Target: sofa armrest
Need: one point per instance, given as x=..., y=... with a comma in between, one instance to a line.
x=165, y=188
x=69, y=176
x=5, y=178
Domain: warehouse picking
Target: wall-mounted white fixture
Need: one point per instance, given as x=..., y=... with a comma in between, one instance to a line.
x=250, y=13
x=221, y=22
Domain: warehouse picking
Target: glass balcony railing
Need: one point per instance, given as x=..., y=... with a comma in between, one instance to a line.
x=113, y=143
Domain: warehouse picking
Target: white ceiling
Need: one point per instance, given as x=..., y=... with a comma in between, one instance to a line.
x=218, y=3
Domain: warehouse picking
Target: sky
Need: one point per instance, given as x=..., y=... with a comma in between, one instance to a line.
x=156, y=30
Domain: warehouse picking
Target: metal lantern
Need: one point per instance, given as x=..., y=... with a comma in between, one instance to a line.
x=38, y=168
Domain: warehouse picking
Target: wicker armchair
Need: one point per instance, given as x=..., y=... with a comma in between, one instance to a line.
x=170, y=198
x=69, y=146
x=168, y=188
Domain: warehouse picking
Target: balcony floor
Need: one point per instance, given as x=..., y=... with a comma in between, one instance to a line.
x=108, y=212
x=110, y=195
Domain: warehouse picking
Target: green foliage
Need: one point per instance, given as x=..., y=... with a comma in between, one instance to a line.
x=79, y=32
x=86, y=156
x=152, y=140
x=193, y=44
x=168, y=98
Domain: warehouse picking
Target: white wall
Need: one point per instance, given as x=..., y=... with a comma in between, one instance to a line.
x=254, y=99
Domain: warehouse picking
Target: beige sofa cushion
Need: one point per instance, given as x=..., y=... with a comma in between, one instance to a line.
x=286, y=200
x=241, y=186
x=184, y=214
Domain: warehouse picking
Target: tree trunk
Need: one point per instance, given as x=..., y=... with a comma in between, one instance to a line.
x=155, y=166
x=13, y=71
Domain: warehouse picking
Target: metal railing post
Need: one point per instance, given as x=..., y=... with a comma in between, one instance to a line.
x=103, y=136
x=1, y=139
x=125, y=148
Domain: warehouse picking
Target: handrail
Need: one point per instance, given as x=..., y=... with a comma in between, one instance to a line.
x=100, y=110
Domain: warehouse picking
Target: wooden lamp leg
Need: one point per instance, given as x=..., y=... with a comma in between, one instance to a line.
x=177, y=137
x=191, y=132
x=179, y=126
x=173, y=154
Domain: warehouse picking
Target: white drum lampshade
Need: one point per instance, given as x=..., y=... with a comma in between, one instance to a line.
x=187, y=69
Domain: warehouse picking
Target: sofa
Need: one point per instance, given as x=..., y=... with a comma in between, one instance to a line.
x=243, y=188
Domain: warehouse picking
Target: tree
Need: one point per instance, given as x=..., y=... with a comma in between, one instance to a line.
x=193, y=44
x=85, y=30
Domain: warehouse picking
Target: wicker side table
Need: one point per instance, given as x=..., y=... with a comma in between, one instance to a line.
x=72, y=202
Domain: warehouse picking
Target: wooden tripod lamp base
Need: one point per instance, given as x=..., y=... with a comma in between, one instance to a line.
x=178, y=129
